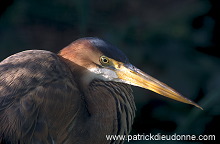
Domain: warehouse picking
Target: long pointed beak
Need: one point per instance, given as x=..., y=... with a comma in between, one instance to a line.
x=133, y=76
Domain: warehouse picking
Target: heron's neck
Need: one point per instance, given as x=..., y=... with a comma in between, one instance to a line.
x=111, y=106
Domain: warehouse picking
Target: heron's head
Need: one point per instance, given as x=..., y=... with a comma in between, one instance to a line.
x=106, y=62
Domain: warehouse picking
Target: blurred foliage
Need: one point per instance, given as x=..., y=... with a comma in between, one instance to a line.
x=175, y=41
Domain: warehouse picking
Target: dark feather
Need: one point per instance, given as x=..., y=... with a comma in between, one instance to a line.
x=38, y=99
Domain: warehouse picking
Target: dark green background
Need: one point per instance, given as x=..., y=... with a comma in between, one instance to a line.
x=175, y=41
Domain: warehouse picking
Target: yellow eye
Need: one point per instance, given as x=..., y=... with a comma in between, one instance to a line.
x=104, y=60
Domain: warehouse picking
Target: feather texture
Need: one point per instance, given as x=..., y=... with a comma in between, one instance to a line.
x=42, y=102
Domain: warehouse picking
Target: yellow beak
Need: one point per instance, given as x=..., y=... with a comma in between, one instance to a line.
x=133, y=76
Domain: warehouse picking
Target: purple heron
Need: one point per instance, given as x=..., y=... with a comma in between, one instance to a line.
x=79, y=95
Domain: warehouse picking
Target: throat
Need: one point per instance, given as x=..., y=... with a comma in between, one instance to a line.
x=110, y=106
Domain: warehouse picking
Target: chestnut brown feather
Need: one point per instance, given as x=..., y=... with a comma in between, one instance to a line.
x=77, y=96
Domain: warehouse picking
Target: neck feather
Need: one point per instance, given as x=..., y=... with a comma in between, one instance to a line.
x=111, y=105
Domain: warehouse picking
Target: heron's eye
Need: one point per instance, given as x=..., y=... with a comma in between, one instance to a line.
x=104, y=60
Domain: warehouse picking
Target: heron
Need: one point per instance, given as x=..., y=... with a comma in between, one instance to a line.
x=77, y=96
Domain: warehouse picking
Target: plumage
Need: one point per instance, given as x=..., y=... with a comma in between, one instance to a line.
x=36, y=89
x=42, y=103
x=75, y=97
